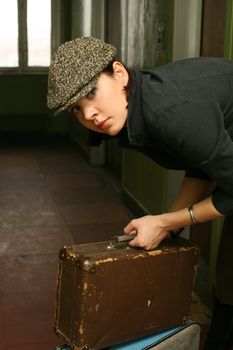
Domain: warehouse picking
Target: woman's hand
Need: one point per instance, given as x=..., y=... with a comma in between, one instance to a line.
x=150, y=230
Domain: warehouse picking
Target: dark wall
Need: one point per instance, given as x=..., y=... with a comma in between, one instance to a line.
x=23, y=106
x=23, y=94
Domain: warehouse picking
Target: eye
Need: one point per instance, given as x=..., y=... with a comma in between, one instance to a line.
x=75, y=109
x=92, y=93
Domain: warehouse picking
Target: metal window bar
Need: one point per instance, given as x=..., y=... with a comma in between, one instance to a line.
x=22, y=35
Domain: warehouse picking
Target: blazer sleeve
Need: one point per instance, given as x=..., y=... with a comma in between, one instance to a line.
x=196, y=133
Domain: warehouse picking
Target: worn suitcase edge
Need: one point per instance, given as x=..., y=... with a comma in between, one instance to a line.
x=70, y=340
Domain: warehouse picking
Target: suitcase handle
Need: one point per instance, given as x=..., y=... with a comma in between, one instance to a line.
x=121, y=241
x=125, y=238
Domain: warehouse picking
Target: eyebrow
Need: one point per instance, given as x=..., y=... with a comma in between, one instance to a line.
x=68, y=109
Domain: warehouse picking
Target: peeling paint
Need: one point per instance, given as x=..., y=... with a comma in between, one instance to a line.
x=85, y=286
x=148, y=302
x=184, y=249
x=81, y=329
x=97, y=307
x=139, y=256
x=155, y=252
x=105, y=261
x=72, y=255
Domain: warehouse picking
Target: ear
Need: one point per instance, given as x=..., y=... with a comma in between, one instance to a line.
x=120, y=72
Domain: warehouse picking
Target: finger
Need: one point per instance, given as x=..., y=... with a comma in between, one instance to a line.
x=134, y=243
x=155, y=245
x=129, y=228
x=137, y=243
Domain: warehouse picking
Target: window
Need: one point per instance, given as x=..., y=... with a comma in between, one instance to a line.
x=25, y=34
x=38, y=32
x=8, y=33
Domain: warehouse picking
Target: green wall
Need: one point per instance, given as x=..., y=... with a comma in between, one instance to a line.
x=228, y=47
x=144, y=184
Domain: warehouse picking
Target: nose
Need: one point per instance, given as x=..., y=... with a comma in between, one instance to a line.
x=90, y=113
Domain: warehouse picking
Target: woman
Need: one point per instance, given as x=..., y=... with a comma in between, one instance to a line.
x=180, y=115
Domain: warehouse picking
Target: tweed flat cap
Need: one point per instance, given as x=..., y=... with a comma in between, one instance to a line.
x=75, y=69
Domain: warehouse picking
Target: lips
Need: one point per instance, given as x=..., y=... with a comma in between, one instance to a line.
x=104, y=124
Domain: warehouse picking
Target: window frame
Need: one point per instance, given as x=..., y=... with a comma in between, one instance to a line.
x=23, y=67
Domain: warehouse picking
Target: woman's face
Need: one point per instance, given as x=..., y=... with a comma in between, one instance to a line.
x=104, y=109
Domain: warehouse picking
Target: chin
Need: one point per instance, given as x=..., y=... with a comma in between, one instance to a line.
x=112, y=132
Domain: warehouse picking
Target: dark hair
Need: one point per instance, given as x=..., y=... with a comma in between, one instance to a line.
x=109, y=70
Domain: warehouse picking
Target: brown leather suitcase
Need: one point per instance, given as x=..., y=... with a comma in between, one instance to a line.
x=109, y=293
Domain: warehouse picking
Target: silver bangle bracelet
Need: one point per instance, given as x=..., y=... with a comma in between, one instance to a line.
x=192, y=216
